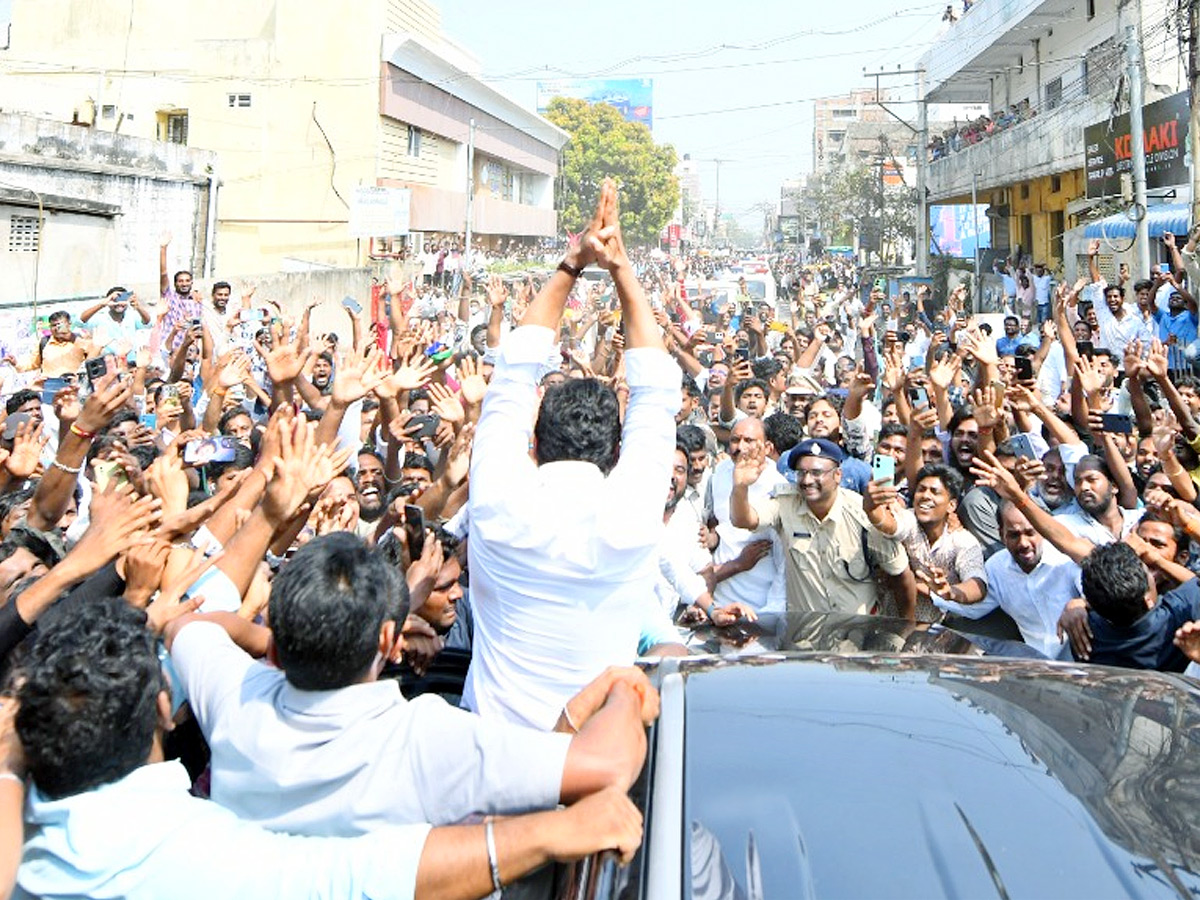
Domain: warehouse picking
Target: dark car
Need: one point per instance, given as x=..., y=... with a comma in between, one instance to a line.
x=849, y=756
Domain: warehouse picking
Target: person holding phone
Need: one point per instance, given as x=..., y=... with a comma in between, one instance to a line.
x=115, y=331
x=946, y=559
x=62, y=351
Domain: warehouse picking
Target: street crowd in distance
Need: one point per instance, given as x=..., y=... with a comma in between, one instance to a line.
x=227, y=542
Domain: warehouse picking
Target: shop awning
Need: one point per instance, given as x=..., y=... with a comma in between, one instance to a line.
x=1172, y=217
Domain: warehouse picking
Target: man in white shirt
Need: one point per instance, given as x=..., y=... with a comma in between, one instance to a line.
x=1030, y=579
x=108, y=817
x=317, y=745
x=748, y=564
x=564, y=547
x=1120, y=324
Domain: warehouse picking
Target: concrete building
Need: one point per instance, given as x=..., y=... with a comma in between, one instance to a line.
x=1059, y=66
x=833, y=116
x=304, y=102
x=82, y=210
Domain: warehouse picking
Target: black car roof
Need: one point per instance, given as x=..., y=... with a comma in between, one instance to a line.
x=961, y=776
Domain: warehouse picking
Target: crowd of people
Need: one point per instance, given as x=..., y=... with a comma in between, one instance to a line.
x=959, y=137
x=227, y=542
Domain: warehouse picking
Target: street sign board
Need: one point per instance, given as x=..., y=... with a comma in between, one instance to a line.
x=1109, y=147
x=379, y=212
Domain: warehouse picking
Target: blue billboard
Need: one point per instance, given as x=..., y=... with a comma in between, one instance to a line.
x=953, y=230
x=633, y=98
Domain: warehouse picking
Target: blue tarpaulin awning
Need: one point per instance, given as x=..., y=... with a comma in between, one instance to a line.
x=1172, y=217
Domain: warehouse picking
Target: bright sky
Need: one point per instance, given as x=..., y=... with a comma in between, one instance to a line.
x=706, y=57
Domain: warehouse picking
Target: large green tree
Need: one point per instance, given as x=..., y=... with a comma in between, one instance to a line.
x=604, y=145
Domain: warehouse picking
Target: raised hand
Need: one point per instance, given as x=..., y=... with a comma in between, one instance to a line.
x=109, y=395
x=471, y=382
x=605, y=241
x=144, y=567
x=751, y=463
x=1156, y=362
x=458, y=459
x=944, y=371
x=984, y=407
x=497, y=293
x=117, y=523
x=1091, y=380
x=408, y=376
x=285, y=359
x=989, y=472
x=446, y=404
x=357, y=376
x=26, y=453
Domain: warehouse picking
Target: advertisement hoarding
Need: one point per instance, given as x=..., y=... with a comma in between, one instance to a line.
x=952, y=230
x=1110, y=145
x=633, y=98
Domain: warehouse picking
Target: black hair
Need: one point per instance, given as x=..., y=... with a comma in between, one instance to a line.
x=834, y=400
x=229, y=415
x=1005, y=449
x=1183, y=542
x=59, y=314
x=783, y=431
x=1115, y=583
x=692, y=389
x=690, y=438
x=766, y=368
x=892, y=429
x=417, y=461
x=364, y=450
x=10, y=500
x=177, y=274
x=1114, y=287
x=1144, y=285
x=117, y=289
x=450, y=542
x=327, y=607
x=222, y=284
x=744, y=386
x=580, y=420
x=120, y=417
x=964, y=412
x=20, y=398
x=88, y=693
x=243, y=458
x=951, y=480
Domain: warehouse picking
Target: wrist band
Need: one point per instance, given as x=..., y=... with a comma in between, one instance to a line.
x=564, y=266
x=79, y=432
x=75, y=471
x=489, y=835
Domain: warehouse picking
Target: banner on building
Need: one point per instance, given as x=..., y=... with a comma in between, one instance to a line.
x=633, y=98
x=1109, y=147
x=789, y=227
x=380, y=212
x=959, y=230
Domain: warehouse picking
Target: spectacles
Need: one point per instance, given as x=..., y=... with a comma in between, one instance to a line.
x=816, y=474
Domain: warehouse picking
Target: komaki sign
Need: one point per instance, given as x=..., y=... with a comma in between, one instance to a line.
x=1110, y=147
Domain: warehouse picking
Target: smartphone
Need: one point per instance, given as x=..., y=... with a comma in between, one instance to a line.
x=95, y=369
x=12, y=423
x=1165, y=268
x=50, y=387
x=123, y=297
x=883, y=468
x=195, y=324
x=414, y=530
x=428, y=425
x=718, y=337
x=918, y=397
x=1085, y=348
x=1023, y=446
x=252, y=315
x=108, y=471
x=1024, y=368
x=742, y=352
x=221, y=448
x=705, y=358
x=1116, y=423
x=351, y=304
x=150, y=420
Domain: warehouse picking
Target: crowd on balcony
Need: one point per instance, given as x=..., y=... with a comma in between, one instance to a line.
x=959, y=137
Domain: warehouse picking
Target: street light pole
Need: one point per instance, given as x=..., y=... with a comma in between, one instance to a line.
x=975, y=216
x=1133, y=57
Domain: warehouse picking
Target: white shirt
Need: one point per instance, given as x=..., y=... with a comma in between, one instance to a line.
x=144, y=837
x=344, y=762
x=762, y=588
x=1082, y=524
x=681, y=558
x=1034, y=599
x=1116, y=334
x=1041, y=287
x=563, y=558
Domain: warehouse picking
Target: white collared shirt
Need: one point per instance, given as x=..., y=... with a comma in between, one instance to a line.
x=563, y=559
x=344, y=762
x=1034, y=599
x=1084, y=525
x=144, y=837
x=762, y=588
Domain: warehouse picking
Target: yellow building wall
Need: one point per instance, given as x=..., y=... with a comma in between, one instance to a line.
x=1041, y=201
x=311, y=133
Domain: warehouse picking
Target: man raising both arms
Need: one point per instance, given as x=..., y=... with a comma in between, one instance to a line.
x=564, y=547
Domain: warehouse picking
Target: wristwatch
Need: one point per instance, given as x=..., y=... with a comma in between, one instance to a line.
x=565, y=266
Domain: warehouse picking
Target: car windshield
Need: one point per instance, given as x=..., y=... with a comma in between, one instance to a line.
x=953, y=777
